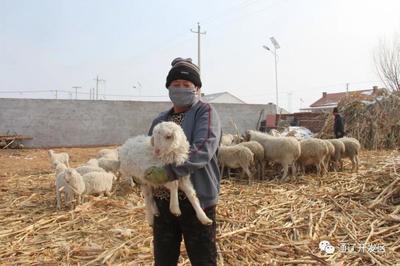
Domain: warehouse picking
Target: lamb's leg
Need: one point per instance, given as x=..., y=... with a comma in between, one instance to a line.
x=357, y=163
x=186, y=186
x=249, y=175
x=294, y=169
x=149, y=204
x=285, y=171
x=173, y=199
x=262, y=170
x=353, y=163
x=222, y=171
x=58, y=198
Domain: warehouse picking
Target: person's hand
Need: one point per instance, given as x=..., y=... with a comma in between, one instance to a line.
x=156, y=175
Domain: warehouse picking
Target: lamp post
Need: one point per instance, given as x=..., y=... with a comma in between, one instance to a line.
x=276, y=46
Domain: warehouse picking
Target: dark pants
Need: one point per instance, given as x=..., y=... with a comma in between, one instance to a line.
x=168, y=230
x=339, y=134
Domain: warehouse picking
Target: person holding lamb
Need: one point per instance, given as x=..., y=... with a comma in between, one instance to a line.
x=201, y=125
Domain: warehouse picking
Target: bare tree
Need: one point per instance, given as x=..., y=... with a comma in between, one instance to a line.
x=387, y=62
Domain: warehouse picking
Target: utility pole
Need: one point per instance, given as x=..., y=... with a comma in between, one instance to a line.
x=198, y=42
x=76, y=91
x=97, y=86
x=347, y=87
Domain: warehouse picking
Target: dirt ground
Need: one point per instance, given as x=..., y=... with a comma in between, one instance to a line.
x=267, y=223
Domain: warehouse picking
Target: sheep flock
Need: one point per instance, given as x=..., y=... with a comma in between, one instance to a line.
x=280, y=197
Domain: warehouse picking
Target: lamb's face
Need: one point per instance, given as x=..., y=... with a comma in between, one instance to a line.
x=166, y=137
x=71, y=177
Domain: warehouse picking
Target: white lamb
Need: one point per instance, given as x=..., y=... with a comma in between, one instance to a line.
x=283, y=150
x=61, y=185
x=90, y=183
x=167, y=145
x=57, y=158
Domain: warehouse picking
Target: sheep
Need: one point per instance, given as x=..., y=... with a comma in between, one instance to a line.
x=57, y=158
x=109, y=164
x=331, y=152
x=84, y=169
x=258, y=150
x=339, y=152
x=226, y=140
x=313, y=152
x=61, y=185
x=283, y=150
x=90, y=183
x=111, y=154
x=167, y=145
x=92, y=162
x=229, y=139
x=352, y=149
x=236, y=156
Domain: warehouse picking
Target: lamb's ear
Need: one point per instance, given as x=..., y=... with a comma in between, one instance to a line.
x=152, y=141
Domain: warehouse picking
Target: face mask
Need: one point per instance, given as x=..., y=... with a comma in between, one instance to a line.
x=182, y=97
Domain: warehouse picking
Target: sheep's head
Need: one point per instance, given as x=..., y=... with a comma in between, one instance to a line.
x=60, y=168
x=247, y=135
x=74, y=180
x=170, y=143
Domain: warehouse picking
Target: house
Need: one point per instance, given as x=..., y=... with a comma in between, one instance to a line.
x=221, y=97
x=328, y=101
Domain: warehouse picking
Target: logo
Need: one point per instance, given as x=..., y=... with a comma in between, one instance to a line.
x=324, y=245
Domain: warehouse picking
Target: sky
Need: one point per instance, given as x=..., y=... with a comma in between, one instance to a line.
x=48, y=46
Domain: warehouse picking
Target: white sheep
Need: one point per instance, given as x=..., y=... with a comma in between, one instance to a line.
x=109, y=164
x=61, y=185
x=258, y=150
x=92, y=162
x=57, y=158
x=313, y=152
x=84, y=169
x=167, y=145
x=283, y=150
x=339, y=152
x=89, y=184
x=226, y=140
x=352, y=149
x=111, y=154
x=236, y=156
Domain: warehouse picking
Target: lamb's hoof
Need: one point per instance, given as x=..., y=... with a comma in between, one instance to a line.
x=206, y=221
x=177, y=213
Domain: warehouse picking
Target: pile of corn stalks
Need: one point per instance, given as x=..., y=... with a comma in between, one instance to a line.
x=267, y=223
x=376, y=124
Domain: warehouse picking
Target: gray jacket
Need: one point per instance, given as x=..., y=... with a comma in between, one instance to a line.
x=202, y=128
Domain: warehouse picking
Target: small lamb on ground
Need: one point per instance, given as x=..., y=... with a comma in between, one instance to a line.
x=352, y=149
x=57, y=158
x=168, y=145
x=282, y=150
x=89, y=184
x=61, y=186
x=259, y=155
x=236, y=156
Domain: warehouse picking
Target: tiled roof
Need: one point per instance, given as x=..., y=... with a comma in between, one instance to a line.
x=332, y=99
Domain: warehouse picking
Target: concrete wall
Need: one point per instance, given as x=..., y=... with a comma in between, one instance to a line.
x=68, y=123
